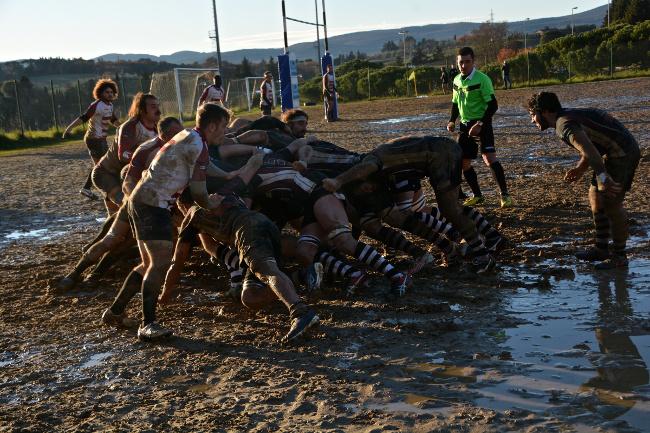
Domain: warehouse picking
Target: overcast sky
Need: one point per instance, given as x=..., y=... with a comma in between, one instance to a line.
x=90, y=28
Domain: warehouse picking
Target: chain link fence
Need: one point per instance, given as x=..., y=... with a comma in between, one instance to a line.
x=44, y=104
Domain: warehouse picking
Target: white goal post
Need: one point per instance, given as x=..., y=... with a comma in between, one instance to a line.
x=179, y=90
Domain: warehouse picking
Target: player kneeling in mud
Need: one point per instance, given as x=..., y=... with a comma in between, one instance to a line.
x=610, y=150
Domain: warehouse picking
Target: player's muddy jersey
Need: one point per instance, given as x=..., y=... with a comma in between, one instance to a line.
x=99, y=116
x=607, y=134
x=414, y=157
x=266, y=89
x=212, y=93
x=129, y=136
x=183, y=159
x=142, y=157
x=276, y=179
x=331, y=159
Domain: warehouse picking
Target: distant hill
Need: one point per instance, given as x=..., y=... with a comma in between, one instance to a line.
x=370, y=42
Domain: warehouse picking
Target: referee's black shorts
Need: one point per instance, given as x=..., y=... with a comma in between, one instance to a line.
x=470, y=145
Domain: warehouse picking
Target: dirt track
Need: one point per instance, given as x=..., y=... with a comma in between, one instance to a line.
x=427, y=363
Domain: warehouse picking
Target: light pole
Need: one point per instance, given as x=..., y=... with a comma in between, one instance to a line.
x=404, y=33
x=216, y=34
x=572, y=9
x=526, y=49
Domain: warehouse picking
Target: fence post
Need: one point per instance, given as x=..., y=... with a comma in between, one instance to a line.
x=368, y=84
x=20, y=111
x=125, y=113
x=79, y=102
x=54, y=116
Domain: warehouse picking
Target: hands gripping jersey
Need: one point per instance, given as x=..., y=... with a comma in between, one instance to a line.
x=98, y=115
x=212, y=93
x=183, y=159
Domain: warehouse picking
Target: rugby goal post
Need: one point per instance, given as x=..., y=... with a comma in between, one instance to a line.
x=179, y=90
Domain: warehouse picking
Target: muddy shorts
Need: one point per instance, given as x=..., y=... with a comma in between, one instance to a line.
x=257, y=239
x=150, y=223
x=621, y=170
x=309, y=217
x=97, y=147
x=447, y=174
x=470, y=144
x=105, y=181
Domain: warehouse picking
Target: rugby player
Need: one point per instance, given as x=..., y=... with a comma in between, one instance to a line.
x=99, y=115
x=183, y=161
x=266, y=94
x=120, y=230
x=329, y=93
x=144, y=114
x=213, y=93
x=474, y=101
x=411, y=158
x=612, y=152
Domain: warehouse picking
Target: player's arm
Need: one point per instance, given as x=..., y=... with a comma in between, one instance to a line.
x=591, y=158
x=362, y=170
x=455, y=112
x=126, y=142
x=75, y=122
x=204, y=96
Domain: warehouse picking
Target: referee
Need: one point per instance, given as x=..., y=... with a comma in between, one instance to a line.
x=474, y=101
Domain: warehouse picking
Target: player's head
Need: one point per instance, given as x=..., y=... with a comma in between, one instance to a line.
x=217, y=80
x=105, y=89
x=168, y=127
x=297, y=120
x=543, y=108
x=212, y=120
x=145, y=107
x=268, y=76
x=465, y=60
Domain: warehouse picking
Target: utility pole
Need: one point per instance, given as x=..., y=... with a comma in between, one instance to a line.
x=572, y=9
x=216, y=34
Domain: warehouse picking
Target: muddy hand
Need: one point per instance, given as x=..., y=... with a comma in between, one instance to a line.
x=331, y=185
x=573, y=175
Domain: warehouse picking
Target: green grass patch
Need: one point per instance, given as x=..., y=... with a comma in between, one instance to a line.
x=13, y=142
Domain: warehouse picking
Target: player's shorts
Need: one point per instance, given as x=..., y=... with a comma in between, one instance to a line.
x=621, y=170
x=150, y=223
x=447, y=174
x=105, y=181
x=266, y=109
x=404, y=182
x=309, y=217
x=470, y=144
x=97, y=147
x=257, y=239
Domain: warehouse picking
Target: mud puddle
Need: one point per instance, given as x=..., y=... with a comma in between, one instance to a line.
x=44, y=228
x=586, y=347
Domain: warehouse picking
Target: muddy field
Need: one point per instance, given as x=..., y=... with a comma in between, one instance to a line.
x=544, y=344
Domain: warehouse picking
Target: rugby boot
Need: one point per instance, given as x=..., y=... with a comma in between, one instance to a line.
x=422, y=261
x=484, y=264
x=506, y=201
x=119, y=320
x=235, y=291
x=399, y=283
x=496, y=245
x=615, y=261
x=312, y=276
x=153, y=331
x=593, y=254
x=455, y=257
x=473, y=201
x=355, y=283
x=68, y=282
x=302, y=318
x=86, y=192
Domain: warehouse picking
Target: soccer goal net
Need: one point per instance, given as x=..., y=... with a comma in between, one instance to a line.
x=179, y=90
x=244, y=93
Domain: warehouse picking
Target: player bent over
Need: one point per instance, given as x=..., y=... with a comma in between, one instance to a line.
x=613, y=154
